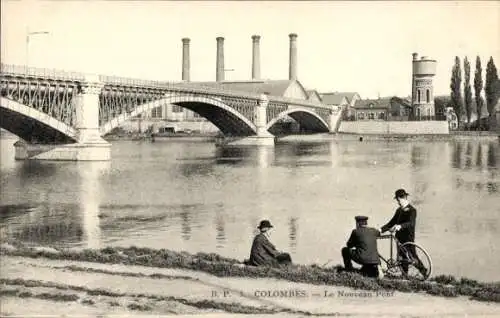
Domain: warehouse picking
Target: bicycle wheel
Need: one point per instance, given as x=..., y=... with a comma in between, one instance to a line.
x=416, y=259
x=390, y=268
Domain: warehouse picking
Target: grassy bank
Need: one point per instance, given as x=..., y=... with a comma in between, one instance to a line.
x=447, y=286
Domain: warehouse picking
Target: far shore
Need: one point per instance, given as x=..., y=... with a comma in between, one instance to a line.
x=209, y=137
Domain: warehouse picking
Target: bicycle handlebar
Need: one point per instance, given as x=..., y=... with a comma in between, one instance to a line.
x=386, y=236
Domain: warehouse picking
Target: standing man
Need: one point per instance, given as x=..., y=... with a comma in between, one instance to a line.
x=403, y=223
x=263, y=252
x=362, y=248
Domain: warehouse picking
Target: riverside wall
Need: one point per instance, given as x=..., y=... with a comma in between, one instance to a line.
x=395, y=127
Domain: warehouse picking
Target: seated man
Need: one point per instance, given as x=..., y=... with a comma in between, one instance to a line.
x=263, y=251
x=362, y=248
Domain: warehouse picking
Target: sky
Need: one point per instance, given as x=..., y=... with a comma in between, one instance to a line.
x=350, y=46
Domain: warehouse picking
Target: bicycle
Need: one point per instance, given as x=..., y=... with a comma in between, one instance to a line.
x=421, y=264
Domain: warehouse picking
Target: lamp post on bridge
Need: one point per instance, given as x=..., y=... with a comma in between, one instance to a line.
x=28, y=35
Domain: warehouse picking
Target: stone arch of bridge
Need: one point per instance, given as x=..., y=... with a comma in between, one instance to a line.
x=307, y=118
x=229, y=121
x=33, y=125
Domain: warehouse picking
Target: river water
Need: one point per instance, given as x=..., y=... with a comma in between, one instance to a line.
x=194, y=196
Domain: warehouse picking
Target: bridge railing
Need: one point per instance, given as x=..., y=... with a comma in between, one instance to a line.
x=181, y=87
x=24, y=71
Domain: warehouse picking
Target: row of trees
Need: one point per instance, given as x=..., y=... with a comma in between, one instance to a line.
x=466, y=105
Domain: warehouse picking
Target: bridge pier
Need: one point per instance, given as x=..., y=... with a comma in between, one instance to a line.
x=335, y=119
x=89, y=146
x=263, y=137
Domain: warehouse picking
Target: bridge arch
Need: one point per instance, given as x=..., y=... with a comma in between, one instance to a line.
x=305, y=117
x=228, y=120
x=33, y=125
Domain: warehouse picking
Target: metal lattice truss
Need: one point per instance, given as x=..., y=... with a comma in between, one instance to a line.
x=52, y=92
x=323, y=113
x=51, y=97
x=274, y=109
x=117, y=100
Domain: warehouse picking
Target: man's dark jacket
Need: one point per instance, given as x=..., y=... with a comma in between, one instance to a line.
x=364, y=241
x=406, y=217
x=263, y=251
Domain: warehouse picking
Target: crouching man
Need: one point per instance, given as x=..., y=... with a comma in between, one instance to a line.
x=362, y=248
x=263, y=252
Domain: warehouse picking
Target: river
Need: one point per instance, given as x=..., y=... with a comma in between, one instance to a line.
x=194, y=196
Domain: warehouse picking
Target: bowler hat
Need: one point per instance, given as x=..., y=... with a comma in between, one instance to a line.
x=264, y=224
x=361, y=218
x=400, y=193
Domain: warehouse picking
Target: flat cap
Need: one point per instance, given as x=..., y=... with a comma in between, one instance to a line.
x=360, y=218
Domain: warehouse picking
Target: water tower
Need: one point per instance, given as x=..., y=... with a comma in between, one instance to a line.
x=422, y=95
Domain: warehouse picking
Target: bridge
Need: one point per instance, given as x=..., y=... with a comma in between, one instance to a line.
x=63, y=115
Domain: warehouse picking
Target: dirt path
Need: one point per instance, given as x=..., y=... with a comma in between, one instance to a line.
x=34, y=286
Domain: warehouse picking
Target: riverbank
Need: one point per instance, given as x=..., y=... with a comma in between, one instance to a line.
x=461, y=135
x=455, y=136
x=163, y=137
x=117, y=280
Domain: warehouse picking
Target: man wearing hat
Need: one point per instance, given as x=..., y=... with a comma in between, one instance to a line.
x=263, y=252
x=403, y=223
x=362, y=248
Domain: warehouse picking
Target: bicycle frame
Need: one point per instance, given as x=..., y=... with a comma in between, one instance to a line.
x=391, y=253
x=393, y=262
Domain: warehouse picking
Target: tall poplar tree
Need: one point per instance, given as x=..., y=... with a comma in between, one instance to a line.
x=478, y=87
x=490, y=86
x=467, y=90
x=456, y=95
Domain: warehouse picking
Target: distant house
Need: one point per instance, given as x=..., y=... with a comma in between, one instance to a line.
x=372, y=109
x=400, y=108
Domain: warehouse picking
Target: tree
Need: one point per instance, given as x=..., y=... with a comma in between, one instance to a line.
x=467, y=90
x=440, y=104
x=490, y=86
x=478, y=87
x=456, y=95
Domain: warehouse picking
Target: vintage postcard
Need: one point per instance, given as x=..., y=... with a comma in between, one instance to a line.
x=239, y=158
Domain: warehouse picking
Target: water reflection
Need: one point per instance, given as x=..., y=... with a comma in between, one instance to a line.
x=469, y=154
x=480, y=156
x=493, y=154
x=193, y=170
x=220, y=228
x=265, y=156
x=262, y=156
x=185, y=216
x=293, y=228
x=48, y=224
x=232, y=155
x=51, y=222
x=296, y=154
x=90, y=200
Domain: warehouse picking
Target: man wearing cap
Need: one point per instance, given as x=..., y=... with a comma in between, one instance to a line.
x=362, y=248
x=263, y=252
x=403, y=223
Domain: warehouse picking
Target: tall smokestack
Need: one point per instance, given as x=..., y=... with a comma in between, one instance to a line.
x=255, y=57
x=292, y=71
x=185, y=59
x=219, y=72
